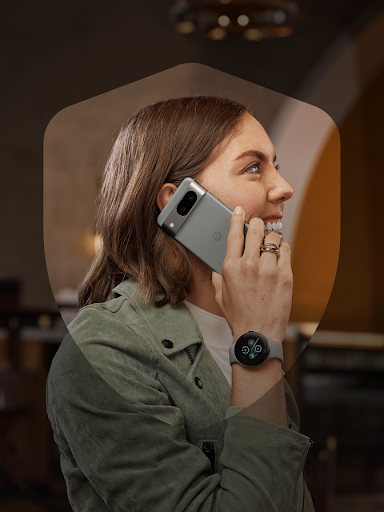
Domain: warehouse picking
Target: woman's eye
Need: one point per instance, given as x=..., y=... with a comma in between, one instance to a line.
x=253, y=168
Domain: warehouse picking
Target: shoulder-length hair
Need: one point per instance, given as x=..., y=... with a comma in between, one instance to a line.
x=162, y=143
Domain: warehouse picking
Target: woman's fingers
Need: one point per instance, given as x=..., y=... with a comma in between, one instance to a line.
x=235, y=240
x=272, y=238
x=254, y=239
x=284, y=259
x=271, y=257
x=255, y=290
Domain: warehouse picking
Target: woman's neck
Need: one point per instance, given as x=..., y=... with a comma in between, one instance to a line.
x=203, y=293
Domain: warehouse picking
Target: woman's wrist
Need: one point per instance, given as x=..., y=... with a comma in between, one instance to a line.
x=270, y=369
x=249, y=384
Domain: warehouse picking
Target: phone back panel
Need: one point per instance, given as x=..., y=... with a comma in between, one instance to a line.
x=206, y=230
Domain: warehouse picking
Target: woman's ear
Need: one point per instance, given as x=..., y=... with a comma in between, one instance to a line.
x=164, y=194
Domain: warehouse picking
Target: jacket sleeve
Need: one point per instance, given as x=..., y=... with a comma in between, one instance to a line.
x=132, y=455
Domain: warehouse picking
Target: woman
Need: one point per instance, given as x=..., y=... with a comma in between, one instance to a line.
x=139, y=395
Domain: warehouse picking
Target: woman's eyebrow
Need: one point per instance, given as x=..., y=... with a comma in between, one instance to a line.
x=258, y=154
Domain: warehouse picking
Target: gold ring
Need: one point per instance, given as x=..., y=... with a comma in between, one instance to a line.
x=269, y=247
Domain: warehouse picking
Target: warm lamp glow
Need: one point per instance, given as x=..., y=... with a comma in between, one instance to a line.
x=90, y=244
x=253, y=34
x=224, y=21
x=97, y=242
x=283, y=31
x=243, y=20
x=44, y=321
x=308, y=329
x=217, y=33
x=185, y=27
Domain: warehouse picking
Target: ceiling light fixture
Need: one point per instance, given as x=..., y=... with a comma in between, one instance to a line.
x=251, y=19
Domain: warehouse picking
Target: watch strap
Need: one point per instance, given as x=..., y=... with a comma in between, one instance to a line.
x=232, y=357
x=275, y=350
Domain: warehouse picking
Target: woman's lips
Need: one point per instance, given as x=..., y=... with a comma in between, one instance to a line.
x=274, y=217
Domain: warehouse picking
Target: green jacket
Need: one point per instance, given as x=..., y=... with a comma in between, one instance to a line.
x=146, y=425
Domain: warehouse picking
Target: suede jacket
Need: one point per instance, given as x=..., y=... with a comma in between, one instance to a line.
x=141, y=414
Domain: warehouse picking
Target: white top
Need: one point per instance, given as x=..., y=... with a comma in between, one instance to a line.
x=217, y=337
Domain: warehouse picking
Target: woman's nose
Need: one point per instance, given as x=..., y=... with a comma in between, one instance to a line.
x=280, y=190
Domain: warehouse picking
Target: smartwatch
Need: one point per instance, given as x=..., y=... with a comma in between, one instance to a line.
x=253, y=348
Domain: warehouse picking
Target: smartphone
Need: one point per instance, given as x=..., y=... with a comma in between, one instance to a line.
x=199, y=221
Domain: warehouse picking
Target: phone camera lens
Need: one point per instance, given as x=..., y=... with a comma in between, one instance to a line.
x=186, y=203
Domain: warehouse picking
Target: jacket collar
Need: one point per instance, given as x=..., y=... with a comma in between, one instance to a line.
x=172, y=323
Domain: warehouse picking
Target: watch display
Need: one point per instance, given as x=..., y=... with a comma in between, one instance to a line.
x=251, y=349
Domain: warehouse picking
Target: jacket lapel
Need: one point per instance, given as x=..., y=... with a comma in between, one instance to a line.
x=178, y=325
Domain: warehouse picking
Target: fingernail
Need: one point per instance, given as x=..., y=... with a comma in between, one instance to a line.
x=238, y=210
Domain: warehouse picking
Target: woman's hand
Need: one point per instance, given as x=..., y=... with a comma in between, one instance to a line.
x=255, y=290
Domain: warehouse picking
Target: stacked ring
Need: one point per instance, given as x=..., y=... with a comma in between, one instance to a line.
x=269, y=247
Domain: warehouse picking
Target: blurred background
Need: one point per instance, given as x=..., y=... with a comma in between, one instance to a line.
x=329, y=55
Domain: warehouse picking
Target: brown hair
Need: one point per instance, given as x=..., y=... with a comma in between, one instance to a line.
x=162, y=143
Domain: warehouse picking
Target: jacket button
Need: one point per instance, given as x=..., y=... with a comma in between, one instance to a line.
x=167, y=343
x=199, y=384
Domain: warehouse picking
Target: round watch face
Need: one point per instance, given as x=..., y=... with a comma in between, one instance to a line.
x=251, y=349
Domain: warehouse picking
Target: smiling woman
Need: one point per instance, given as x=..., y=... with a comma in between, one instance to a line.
x=151, y=401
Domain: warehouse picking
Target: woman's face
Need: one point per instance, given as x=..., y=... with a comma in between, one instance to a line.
x=244, y=174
